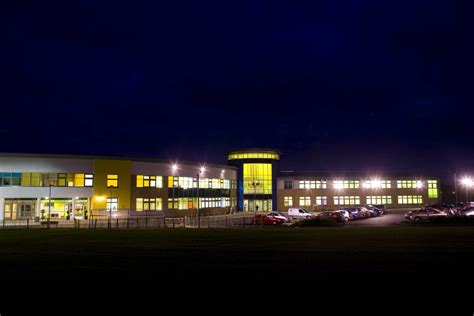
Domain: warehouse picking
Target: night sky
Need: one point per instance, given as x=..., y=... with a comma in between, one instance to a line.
x=335, y=85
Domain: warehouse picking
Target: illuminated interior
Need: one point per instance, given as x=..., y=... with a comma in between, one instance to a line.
x=257, y=178
x=254, y=155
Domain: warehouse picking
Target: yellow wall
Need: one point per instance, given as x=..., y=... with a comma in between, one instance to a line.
x=102, y=167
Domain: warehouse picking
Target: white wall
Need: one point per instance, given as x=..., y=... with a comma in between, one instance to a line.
x=46, y=165
x=42, y=192
x=2, y=209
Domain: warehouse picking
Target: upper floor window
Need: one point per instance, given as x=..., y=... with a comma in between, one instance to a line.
x=149, y=181
x=288, y=184
x=112, y=180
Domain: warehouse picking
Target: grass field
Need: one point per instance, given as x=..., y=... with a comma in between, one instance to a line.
x=309, y=254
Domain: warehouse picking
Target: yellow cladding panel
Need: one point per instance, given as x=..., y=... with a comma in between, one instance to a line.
x=120, y=169
x=254, y=155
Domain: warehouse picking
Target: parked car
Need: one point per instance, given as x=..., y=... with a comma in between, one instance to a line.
x=299, y=213
x=377, y=210
x=364, y=212
x=339, y=216
x=425, y=213
x=354, y=212
x=276, y=214
x=468, y=212
x=381, y=207
x=266, y=220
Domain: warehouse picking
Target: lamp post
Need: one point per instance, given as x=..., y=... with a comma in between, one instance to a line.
x=174, y=168
x=201, y=170
x=49, y=205
x=468, y=183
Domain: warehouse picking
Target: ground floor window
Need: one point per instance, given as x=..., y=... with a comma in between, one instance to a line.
x=19, y=209
x=149, y=204
x=321, y=200
x=112, y=204
x=347, y=200
x=305, y=201
x=257, y=205
x=288, y=201
x=191, y=203
x=380, y=199
x=410, y=199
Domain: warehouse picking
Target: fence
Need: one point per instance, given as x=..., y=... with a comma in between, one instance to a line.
x=223, y=221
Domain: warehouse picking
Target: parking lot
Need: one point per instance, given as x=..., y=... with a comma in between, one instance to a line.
x=393, y=218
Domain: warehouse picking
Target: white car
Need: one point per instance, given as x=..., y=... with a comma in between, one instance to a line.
x=299, y=213
x=345, y=214
x=469, y=212
x=277, y=215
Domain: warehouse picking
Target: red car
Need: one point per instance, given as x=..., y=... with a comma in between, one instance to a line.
x=266, y=220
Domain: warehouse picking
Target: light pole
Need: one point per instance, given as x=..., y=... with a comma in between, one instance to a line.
x=201, y=170
x=174, y=168
x=49, y=205
x=468, y=183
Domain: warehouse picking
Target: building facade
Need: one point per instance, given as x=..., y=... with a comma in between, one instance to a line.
x=37, y=187
x=65, y=187
x=317, y=191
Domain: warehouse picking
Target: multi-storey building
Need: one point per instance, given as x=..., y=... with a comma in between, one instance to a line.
x=332, y=190
x=67, y=187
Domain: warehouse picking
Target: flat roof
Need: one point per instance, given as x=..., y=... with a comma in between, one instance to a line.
x=353, y=174
x=254, y=150
x=92, y=157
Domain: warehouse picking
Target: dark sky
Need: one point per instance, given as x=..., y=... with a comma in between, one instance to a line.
x=335, y=85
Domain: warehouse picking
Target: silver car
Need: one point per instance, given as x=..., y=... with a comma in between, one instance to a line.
x=426, y=213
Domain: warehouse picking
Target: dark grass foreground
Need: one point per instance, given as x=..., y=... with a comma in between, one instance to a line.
x=443, y=254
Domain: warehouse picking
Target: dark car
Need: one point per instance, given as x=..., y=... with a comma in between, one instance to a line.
x=381, y=207
x=266, y=220
x=357, y=212
x=375, y=210
x=336, y=216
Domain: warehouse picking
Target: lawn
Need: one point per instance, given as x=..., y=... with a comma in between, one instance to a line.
x=356, y=254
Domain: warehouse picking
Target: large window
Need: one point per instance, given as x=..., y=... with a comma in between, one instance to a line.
x=36, y=179
x=410, y=199
x=346, y=184
x=379, y=199
x=254, y=156
x=377, y=184
x=409, y=184
x=149, y=181
x=257, y=178
x=347, y=200
x=312, y=184
x=288, y=184
x=305, y=201
x=321, y=200
x=288, y=201
x=433, y=189
x=112, y=180
x=112, y=204
x=149, y=204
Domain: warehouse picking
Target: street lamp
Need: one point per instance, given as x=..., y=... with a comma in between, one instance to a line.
x=201, y=170
x=468, y=183
x=49, y=205
x=174, y=169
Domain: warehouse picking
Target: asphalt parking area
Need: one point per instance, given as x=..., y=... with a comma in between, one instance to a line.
x=393, y=218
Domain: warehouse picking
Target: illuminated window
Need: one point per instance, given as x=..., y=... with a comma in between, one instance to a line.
x=257, y=178
x=149, y=181
x=380, y=199
x=256, y=155
x=347, y=200
x=288, y=201
x=112, y=180
x=79, y=180
x=377, y=184
x=346, y=184
x=149, y=204
x=321, y=200
x=409, y=184
x=432, y=189
x=410, y=199
x=112, y=204
x=89, y=180
x=61, y=179
x=288, y=184
x=305, y=201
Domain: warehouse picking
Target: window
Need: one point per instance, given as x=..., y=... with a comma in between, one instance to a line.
x=149, y=204
x=254, y=156
x=305, y=201
x=347, y=200
x=288, y=184
x=149, y=181
x=432, y=189
x=410, y=199
x=321, y=200
x=61, y=179
x=377, y=184
x=321, y=184
x=112, y=180
x=346, y=184
x=112, y=204
x=79, y=180
x=288, y=201
x=257, y=178
x=409, y=184
x=89, y=180
x=380, y=199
